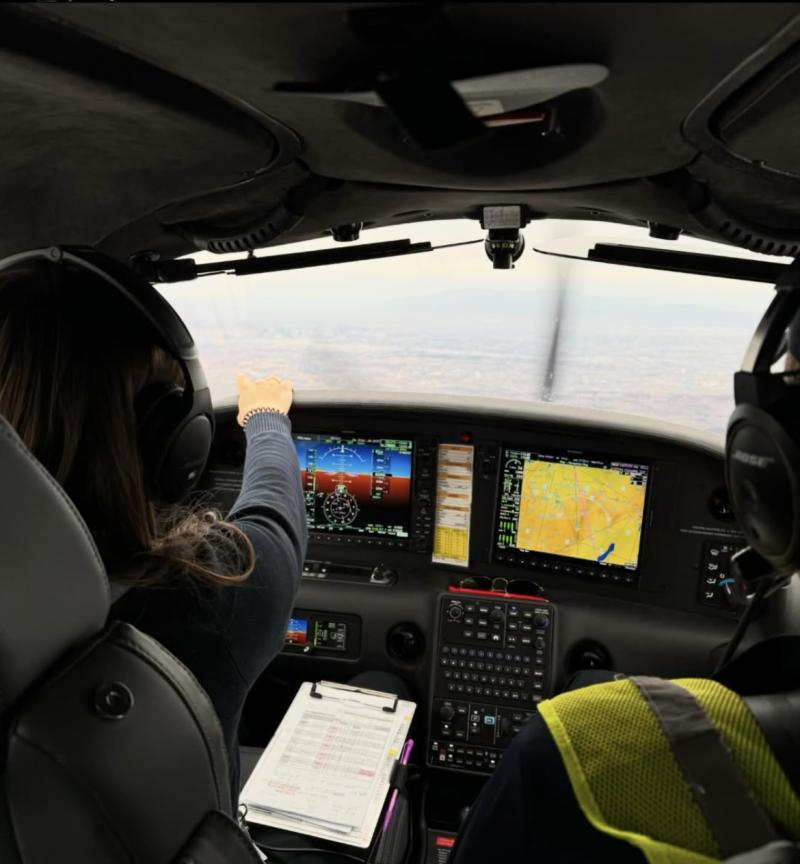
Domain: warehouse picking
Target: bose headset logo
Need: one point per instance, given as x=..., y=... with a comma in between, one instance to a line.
x=752, y=460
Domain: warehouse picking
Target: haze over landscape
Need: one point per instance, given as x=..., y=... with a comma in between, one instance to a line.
x=660, y=345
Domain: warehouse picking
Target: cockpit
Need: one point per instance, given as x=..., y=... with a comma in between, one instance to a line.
x=528, y=274
x=488, y=550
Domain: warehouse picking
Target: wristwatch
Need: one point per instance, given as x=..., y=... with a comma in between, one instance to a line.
x=253, y=411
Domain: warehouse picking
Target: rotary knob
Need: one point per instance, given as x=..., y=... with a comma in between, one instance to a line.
x=455, y=612
x=498, y=616
x=447, y=712
x=382, y=575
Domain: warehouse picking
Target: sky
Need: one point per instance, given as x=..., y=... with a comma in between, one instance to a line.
x=652, y=343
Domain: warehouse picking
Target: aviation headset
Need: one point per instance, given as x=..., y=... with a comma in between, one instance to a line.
x=176, y=424
x=762, y=464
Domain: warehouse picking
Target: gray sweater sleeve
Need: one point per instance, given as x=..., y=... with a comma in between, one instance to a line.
x=270, y=510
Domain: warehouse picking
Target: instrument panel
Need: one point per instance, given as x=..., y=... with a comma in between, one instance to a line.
x=563, y=503
x=567, y=512
x=440, y=532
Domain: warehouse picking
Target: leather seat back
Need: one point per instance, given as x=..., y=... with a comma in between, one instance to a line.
x=111, y=750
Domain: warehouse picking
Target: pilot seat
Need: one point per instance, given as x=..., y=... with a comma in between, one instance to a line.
x=109, y=749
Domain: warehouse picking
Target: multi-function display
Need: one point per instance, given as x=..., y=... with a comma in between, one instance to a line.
x=356, y=486
x=580, y=507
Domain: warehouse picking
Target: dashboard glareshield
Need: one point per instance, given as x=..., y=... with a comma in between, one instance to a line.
x=356, y=486
x=580, y=508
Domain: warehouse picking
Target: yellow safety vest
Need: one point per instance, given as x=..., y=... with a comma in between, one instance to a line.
x=631, y=780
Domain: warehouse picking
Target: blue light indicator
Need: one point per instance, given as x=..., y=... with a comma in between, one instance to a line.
x=489, y=719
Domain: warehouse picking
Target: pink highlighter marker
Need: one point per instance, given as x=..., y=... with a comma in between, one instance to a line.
x=404, y=757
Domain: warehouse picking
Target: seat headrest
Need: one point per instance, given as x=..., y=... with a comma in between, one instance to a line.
x=53, y=587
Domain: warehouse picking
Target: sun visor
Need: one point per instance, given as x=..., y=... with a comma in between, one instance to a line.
x=490, y=124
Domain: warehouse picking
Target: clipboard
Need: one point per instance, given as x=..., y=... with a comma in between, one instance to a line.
x=346, y=688
x=328, y=768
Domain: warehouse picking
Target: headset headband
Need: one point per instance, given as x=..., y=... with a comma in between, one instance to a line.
x=180, y=425
x=170, y=330
x=756, y=383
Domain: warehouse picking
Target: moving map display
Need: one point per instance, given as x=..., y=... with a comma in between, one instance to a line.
x=574, y=507
x=356, y=486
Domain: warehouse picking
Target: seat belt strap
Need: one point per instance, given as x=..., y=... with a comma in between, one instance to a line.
x=776, y=715
x=734, y=817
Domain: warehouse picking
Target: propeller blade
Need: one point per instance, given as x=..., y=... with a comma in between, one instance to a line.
x=548, y=384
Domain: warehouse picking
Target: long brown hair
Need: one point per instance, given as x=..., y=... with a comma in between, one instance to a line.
x=72, y=361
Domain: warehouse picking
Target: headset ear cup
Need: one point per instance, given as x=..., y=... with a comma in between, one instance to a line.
x=762, y=469
x=185, y=457
x=159, y=411
x=174, y=440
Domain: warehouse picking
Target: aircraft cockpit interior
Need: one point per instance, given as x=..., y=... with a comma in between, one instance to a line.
x=398, y=433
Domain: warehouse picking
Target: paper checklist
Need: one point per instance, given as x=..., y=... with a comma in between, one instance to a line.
x=326, y=771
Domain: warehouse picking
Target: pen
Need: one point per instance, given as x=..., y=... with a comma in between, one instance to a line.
x=404, y=757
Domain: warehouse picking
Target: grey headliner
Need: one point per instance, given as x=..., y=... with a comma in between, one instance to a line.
x=123, y=119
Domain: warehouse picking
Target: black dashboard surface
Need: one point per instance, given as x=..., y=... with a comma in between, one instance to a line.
x=377, y=602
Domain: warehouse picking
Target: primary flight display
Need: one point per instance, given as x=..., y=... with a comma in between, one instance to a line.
x=572, y=506
x=356, y=486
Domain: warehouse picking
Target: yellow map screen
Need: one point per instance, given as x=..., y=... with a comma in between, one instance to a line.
x=576, y=508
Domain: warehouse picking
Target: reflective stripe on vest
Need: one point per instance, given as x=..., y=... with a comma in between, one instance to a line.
x=629, y=783
x=734, y=817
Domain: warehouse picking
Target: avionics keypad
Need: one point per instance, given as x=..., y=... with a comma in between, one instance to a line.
x=493, y=667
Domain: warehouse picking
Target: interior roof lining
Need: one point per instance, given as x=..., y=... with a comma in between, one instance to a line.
x=149, y=54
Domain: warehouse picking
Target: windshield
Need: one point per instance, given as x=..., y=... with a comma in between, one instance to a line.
x=657, y=344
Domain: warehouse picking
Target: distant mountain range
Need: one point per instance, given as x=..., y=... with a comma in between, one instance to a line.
x=493, y=307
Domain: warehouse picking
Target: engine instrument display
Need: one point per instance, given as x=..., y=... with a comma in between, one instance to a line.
x=325, y=634
x=356, y=486
x=571, y=506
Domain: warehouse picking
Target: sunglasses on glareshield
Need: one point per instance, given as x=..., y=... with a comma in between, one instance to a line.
x=501, y=585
